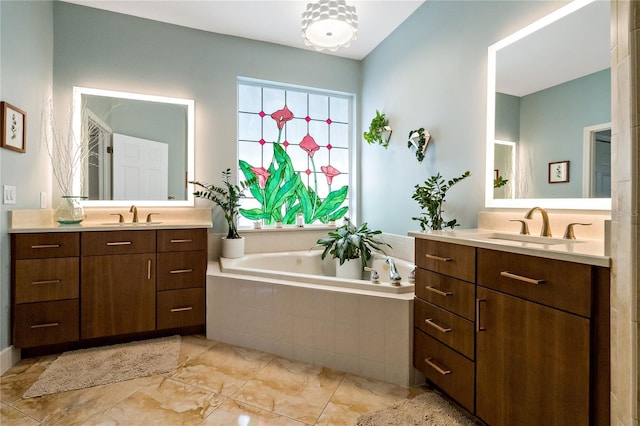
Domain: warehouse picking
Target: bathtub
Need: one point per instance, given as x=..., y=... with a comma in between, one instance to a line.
x=308, y=267
x=289, y=304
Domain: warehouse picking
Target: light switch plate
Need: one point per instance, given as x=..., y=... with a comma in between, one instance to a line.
x=9, y=192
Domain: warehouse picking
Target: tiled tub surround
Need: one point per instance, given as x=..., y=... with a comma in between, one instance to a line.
x=357, y=331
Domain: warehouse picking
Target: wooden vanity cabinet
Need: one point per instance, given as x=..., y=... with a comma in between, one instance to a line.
x=513, y=338
x=182, y=264
x=444, y=349
x=118, y=283
x=45, y=288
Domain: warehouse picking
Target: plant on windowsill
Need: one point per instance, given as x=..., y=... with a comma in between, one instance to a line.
x=378, y=129
x=430, y=196
x=227, y=197
x=350, y=242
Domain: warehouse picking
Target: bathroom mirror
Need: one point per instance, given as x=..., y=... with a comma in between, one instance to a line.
x=142, y=148
x=548, y=94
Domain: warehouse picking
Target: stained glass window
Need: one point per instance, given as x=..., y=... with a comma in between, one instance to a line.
x=294, y=145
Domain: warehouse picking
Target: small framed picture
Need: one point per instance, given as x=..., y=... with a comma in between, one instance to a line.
x=559, y=172
x=14, y=128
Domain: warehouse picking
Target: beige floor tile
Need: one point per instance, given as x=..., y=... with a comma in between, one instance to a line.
x=18, y=379
x=166, y=402
x=76, y=406
x=192, y=346
x=222, y=368
x=291, y=388
x=357, y=395
x=237, y=413
x=9, y=416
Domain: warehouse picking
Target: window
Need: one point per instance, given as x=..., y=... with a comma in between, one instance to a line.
x=294, y=143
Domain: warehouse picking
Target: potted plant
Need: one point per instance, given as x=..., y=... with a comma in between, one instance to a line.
x=430, y=196
x=350, y=242
x=227, y=197
x=379, y=125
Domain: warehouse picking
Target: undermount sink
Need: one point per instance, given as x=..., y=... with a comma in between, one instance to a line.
x=532, y=239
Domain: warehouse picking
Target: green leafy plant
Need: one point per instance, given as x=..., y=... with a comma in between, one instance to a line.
x=379, y=124
x=499, y=182
x=227, y=197
x=430, y=196
x=349, y=242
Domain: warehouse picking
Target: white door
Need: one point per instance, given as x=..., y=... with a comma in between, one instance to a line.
x=140, y=169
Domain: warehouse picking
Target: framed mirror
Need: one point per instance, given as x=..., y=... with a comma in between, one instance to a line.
x=548, y=100
x=141, y=148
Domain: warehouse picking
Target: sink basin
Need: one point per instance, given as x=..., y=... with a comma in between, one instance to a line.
x=547, y=241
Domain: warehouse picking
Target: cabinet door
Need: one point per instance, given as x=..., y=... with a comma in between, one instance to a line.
x=532, y=363
x=118, y=294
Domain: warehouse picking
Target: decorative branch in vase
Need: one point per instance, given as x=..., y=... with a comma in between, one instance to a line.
x=70, y=157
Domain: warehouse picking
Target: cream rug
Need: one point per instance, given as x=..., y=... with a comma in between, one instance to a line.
x=426, y=409
x=108, y=364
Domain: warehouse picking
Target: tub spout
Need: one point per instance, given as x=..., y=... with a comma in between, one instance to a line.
x=394, y=276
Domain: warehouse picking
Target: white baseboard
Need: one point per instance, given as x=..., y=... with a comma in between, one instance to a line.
x=8, y=358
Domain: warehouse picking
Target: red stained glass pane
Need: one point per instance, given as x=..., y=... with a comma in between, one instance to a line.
x=285, y=143
x=307, y=118
x=308, y=172
x=262, y=141
x=328, y=121
x=262, y=114
x=329, y=146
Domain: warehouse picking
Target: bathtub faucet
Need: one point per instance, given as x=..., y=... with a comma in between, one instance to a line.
x=394, y=276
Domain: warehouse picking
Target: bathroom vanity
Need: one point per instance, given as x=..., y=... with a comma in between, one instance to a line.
x=516, y=332
x=74, y=285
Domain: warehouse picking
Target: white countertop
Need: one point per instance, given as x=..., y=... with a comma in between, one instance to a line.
x=102, y=219
x=586, y=251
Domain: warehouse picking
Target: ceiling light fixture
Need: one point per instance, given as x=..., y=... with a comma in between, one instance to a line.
x=329, y=24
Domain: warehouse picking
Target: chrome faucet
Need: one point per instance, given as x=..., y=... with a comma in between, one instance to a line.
x=394, y=276
x=134, y=210
x=545, y=231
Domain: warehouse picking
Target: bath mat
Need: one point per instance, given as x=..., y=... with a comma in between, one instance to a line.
x=108, y=364
x=426, y=409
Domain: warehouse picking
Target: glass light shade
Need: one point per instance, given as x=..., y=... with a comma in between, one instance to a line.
x=329, y=24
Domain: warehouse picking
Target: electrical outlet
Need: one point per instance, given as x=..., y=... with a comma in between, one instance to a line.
x=43, y=200
x=9, y=194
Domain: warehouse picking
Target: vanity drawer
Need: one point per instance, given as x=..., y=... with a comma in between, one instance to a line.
x=40, y=280
x=446, y=368
x=180, y=308
x=449, y=293
x=559, y=284
x=450, y=329
x=182, y=240
x=45, y=323
x=448, y=259
x=183, y=269
x=39, y=246
x=118, y=242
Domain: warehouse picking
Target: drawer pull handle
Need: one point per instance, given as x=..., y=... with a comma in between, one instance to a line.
x=149, y=269
x=438, y=258
x=181, y=271
x=181, y=241
x=508, y=274
x=46, y=282
x=436, y=367
x=437, y=291
x=479, y=328
x=44, y=246
x=119, y=243
x=430, y=322
x=188, y=308
x=51, y=324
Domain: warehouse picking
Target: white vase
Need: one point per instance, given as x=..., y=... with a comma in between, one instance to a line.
x=233, y=248
x=350, y=269
x=70, y=210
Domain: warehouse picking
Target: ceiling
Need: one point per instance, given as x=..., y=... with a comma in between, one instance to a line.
x=266, y=20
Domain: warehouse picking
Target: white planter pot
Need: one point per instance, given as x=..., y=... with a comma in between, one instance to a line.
x=233, y=248
x=350, y=269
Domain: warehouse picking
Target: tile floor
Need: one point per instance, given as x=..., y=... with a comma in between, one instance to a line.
x=214, y=384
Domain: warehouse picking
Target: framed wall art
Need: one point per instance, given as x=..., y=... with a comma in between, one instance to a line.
x=14, y=128
x=559, y=172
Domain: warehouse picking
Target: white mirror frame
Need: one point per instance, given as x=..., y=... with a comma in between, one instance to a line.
x=189, y=103
x=553, y=203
